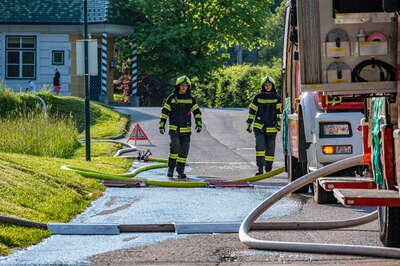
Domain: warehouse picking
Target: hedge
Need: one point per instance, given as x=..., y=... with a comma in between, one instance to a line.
x=235, y=86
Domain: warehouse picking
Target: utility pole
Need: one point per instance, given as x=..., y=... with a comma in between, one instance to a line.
x=87, y=91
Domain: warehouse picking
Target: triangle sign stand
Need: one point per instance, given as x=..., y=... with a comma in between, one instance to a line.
x=137, y=133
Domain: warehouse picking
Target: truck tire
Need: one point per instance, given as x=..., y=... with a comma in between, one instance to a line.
x=296, y=170
x=321, y=196
x=389, y=225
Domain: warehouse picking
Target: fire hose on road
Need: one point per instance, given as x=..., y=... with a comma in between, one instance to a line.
x=248, y=222
x=181, y=184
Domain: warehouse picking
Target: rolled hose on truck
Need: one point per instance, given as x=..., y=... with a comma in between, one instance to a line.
x=249, y=221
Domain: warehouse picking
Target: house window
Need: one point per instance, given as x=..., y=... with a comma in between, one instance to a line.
x=20, y=57
x=58, y=57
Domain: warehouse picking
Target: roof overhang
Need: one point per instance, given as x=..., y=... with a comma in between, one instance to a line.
x=111, y=29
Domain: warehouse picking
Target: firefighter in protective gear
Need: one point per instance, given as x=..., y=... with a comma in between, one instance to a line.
x=178, y=107
x=264, y=119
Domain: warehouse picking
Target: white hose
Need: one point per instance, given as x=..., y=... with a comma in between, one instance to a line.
x=44, y=106
x=130, y=148
x=248, y=222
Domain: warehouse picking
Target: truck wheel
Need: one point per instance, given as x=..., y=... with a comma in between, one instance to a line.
x=389, y=225
x=296, y=170
x=321, y=196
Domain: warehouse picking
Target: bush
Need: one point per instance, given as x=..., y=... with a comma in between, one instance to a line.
x=235, y=86
x=9, y=102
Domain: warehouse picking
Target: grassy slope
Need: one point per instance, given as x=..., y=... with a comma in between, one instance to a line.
x=36, y=188
x=36, y=134
x=104, y=121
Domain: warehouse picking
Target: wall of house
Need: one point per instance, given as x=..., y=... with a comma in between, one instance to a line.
x=77, y=87
x=45, y=44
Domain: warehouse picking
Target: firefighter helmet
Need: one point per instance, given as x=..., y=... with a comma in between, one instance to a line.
x=267, y=79
x=183, y=79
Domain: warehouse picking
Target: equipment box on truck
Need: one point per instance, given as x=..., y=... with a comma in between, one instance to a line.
x=323, y=105
x=346, y=52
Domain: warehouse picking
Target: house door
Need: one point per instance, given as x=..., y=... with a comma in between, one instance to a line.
x=95, y=81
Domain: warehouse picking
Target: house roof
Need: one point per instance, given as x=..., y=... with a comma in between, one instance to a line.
x=63, y=12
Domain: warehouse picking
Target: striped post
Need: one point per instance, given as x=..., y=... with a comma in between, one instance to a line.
x=134, y=98
x=103, y=96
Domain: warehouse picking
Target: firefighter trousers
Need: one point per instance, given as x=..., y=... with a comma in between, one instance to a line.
x=265, y=149
x=179, y=150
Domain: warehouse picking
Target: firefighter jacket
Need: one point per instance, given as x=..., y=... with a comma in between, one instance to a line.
x=264, y=111
x=178, y=107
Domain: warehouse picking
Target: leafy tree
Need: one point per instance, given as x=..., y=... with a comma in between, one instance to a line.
x=192, y=36
x=274, y=32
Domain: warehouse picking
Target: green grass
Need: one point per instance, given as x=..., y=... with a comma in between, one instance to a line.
x=37, y=189
x=35, y=134
x=99, y=149
x=104, y=122
x=4, y=250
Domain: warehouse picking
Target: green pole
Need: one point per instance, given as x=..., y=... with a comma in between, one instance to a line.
x=87, y=91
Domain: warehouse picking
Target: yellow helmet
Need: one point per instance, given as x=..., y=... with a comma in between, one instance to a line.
x=183, y=79
x=267, y=79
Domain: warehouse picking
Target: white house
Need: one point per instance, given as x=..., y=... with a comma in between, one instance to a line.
x=39, y=36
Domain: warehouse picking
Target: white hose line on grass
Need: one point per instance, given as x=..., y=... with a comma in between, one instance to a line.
x=44, y=106
x=113, y=141
x=130, y=148
x=312, y=247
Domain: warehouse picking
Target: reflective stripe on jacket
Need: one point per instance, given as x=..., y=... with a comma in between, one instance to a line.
x=178, y=107
x=264, y=111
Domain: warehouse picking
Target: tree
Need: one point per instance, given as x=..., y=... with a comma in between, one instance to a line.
x=192, y=36
x=274, y=33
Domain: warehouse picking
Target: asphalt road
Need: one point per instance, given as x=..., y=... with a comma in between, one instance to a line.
x=224, y=149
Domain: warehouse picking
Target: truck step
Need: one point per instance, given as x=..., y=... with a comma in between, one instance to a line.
x=330, y=183
x=367, y=197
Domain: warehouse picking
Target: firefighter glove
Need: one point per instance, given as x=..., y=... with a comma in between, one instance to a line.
x=249, y=128
x=162, y=130
x=198, y=128
x=278, y=125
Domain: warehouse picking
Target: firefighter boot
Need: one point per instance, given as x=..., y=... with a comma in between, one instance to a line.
x=181, y=176
x=260, y=171
x=268, y=166
x=170, y=172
